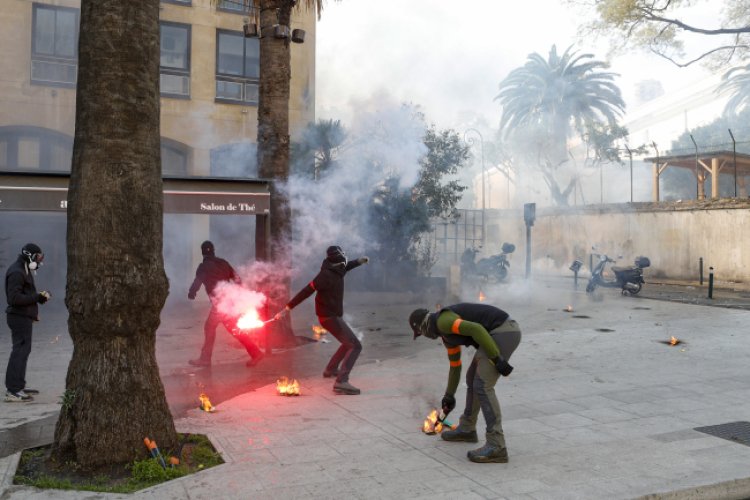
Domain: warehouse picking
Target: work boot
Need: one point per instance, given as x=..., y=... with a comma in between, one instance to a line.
x=489, y=453
x=345, y=388
x=329, y=374
x=199, y=362
x=459, y=435
x=255, y=360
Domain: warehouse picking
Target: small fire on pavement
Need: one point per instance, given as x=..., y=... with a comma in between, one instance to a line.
x=286, y=387
x=481, y=296
x=568, y=309
x=673, y=341
x=431, y=425
x=206, y=403
x=318, y=332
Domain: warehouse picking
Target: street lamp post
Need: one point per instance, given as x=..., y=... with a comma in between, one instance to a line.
x=470, y=141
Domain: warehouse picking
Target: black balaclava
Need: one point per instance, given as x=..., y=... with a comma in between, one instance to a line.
x=335, y=255
x=419, y=320
x=207, y=248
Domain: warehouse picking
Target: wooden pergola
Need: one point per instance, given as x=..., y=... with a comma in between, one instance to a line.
x=703, y=164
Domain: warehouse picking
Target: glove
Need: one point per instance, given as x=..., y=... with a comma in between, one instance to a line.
x=448, y=403
x=281, y=313
x=502, y=366
x=363, y=260
x=43, y=297
x=191, y=296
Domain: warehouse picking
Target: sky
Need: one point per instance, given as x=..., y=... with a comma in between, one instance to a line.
x=449, y=57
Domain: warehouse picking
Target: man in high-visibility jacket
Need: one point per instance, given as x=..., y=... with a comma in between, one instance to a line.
x=495, y=336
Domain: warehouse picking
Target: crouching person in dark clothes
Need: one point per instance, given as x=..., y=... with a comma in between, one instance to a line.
x=329, y=306
x=210, y=273
x=495, y=336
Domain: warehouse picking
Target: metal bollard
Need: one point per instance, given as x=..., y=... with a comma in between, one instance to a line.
x=700, y=269
x=710, y=282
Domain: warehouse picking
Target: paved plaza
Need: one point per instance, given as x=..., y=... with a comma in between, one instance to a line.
x=600, y=405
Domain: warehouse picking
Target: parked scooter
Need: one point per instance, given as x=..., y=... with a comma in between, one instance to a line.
x=628, y=279
x=491, y=269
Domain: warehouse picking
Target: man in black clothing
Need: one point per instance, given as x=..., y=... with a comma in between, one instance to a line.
x=210, y=273
x=329, y=306
x=22, y=311
x=495, y=336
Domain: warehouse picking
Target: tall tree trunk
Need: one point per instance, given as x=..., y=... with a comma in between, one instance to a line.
x=273, y=146
x=116, y=284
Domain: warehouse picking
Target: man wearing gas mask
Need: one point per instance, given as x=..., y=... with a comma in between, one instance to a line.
x=22, y=311
x=495, y=336
x=329, y=307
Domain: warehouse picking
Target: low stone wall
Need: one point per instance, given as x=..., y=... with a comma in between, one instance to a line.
x=674, y=235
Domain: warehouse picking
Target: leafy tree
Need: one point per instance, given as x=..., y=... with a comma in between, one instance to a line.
x=659, y=26
x=446, y=155
x=319, y=148
x=546, y=101
x=401, y=216
x=116, y=284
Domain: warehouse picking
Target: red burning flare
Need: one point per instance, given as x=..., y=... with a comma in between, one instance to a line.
x=250, y=320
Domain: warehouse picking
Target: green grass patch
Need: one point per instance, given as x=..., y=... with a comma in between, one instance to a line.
x=37, y=468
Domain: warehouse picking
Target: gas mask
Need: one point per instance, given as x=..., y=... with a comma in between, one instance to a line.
x=33, y=256
x=424, y=328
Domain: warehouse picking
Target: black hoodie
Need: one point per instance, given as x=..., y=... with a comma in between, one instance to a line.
x=21, y=291
x=329, y=283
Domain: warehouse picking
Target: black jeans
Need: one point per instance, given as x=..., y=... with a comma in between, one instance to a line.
x=20, y=328
x=346, y=355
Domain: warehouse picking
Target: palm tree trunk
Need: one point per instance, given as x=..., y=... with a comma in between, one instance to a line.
x=273, y=145
x=116, y=284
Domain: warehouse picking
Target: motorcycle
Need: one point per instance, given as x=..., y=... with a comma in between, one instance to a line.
x=628, y=279
x=489, y=269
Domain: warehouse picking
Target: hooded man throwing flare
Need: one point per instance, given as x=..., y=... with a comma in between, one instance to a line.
x=495, y=336
x=329, y=306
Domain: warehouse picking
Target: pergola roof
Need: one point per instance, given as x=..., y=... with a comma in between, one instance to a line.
x=726, y=161
x=704, y=164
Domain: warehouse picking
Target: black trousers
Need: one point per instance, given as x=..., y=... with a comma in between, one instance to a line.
x=20, y=329
x=346, y=355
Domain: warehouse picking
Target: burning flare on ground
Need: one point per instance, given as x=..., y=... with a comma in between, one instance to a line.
x=568, y=309
x=431, y=425
x=318, y=332
x=673, y=340
x=286, y=387
x=206, y=403
x=481, y=296
x=250, y=320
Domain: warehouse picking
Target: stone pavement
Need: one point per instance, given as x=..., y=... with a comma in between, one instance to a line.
x=597, y=407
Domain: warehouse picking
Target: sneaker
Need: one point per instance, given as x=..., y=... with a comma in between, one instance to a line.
x=30, y=391
x=199, y=362
x=255, y=360
x=345, y=388
x=17, y=397
x=329, y=374
x=489, y=454
x=459, y=435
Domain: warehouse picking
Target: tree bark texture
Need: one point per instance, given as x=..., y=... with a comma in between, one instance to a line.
x=116, y=283
x=273, y=144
